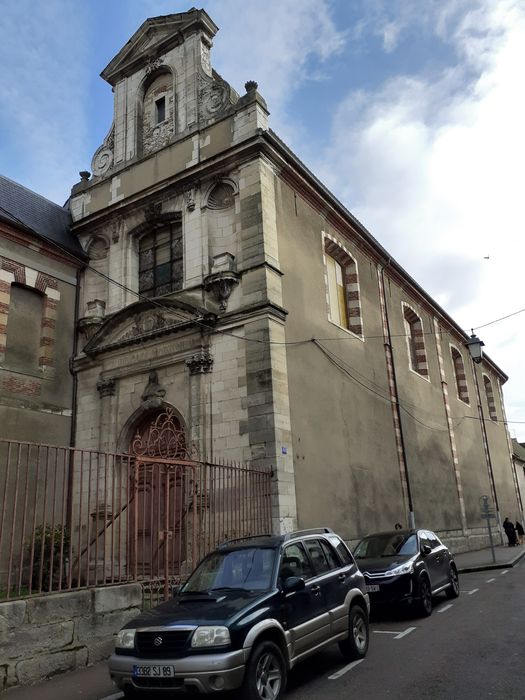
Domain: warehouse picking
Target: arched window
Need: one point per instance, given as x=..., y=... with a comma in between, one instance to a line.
x=160, y=261
x=342, y=284
x=490, y=398
x=24, y=328
x=459, y=372
x=415, y=341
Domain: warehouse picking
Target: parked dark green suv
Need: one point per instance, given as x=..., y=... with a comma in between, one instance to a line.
x=250, y=611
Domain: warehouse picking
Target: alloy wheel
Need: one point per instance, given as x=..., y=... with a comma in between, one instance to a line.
x=268, y=677
x=360, y=633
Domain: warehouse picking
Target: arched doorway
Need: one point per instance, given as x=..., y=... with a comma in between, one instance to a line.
x=161, y=478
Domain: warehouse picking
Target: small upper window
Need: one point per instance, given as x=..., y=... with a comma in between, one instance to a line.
x=344, y=304
x=160, y=110
x=416, y=342
x=160, y=261
x=459, y=372
x=490, y=398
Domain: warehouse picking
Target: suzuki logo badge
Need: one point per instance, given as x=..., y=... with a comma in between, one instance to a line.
x=157, y=641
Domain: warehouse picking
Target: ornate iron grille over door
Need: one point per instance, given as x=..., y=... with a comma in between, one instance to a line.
x=162, y=483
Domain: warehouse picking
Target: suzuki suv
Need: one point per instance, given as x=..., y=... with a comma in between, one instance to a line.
x=249, y=613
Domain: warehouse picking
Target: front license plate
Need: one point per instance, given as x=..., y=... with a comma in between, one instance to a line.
x=153, y=671
x=372, y=589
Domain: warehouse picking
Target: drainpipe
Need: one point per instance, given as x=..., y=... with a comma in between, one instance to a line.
x=74, y=393
x=411, y=516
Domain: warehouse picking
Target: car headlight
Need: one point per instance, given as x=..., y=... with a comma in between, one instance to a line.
x=125, y=639
x=212, y=636
x=407, y=568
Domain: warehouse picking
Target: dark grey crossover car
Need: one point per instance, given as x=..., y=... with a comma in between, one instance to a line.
x=250, y=611
x=406, y=566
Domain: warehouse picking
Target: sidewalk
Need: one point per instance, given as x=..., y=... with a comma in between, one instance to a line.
x=506, y=557
x=94, y=683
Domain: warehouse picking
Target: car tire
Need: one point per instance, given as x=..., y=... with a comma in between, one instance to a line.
x=453, y=590
x=356, y=645
x=425, y=597
x=265, y=675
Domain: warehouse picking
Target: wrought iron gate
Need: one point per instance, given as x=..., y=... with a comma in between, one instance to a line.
x=72, y=518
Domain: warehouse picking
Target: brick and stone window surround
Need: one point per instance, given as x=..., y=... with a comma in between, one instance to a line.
x=161, y=260
x=415, y=341
x=342, y=286
x=489, y=393
x=459, y=373
x=13, y=273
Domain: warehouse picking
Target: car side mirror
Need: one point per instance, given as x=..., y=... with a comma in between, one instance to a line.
x=175, y=590
x=293, y=583
x=426, y=549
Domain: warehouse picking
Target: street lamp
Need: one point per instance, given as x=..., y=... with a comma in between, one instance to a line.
x=475, y=345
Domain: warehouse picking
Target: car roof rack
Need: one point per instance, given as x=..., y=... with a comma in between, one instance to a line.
x=310, y=531
x=240, y=539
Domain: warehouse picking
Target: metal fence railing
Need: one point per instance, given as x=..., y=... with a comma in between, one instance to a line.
x=73, y=518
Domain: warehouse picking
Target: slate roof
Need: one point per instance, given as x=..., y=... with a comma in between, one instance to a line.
x=518, y=450
x=21, y=206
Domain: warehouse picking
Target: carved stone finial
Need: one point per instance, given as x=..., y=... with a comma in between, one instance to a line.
x=250, y=85
x=201, y=363
x=221, y=285
x=153, y=389
x=106, y=387
x=85, y=175
x=189, y=196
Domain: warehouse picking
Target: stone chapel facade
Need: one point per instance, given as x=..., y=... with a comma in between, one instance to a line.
x=218, y=264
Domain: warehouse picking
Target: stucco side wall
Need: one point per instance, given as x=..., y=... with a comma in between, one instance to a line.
x=342, y=433
x=427, y=442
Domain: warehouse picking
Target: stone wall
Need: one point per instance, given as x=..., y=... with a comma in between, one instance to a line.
x=40, y=637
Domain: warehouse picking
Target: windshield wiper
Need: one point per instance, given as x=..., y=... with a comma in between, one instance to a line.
x=228, y=588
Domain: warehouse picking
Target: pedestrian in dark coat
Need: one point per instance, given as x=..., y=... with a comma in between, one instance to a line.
x=520, y=531
x=510, y=532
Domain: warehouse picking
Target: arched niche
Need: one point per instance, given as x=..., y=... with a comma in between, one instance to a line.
x=156, y=111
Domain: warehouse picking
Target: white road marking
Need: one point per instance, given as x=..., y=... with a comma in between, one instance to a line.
x=397, y=635
x=504, y=572
x=475, y=590
x=404, y=634
x=384, y=632
x=490, y=580
x=115, y=696
x=445, y=607
x=343, y=670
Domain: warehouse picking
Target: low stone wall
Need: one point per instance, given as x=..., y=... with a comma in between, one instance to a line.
x=40, y=637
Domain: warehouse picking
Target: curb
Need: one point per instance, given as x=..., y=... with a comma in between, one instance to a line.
x=491, y=566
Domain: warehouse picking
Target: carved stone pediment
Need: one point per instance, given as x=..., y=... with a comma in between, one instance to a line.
x=143, y=321
x=154, y=38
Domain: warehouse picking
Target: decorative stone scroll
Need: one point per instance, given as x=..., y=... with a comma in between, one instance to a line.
x=103, y=158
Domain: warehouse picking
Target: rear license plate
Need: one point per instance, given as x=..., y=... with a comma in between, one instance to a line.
x=372, y=589
x=153, y=671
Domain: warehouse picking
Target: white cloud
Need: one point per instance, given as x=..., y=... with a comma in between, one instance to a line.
x=279, y=44
x=434, y=168
x=42, y=101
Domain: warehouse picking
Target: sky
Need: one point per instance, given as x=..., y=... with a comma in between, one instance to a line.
x=411, y=111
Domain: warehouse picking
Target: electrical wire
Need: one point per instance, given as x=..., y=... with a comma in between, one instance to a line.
x=317, y=341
